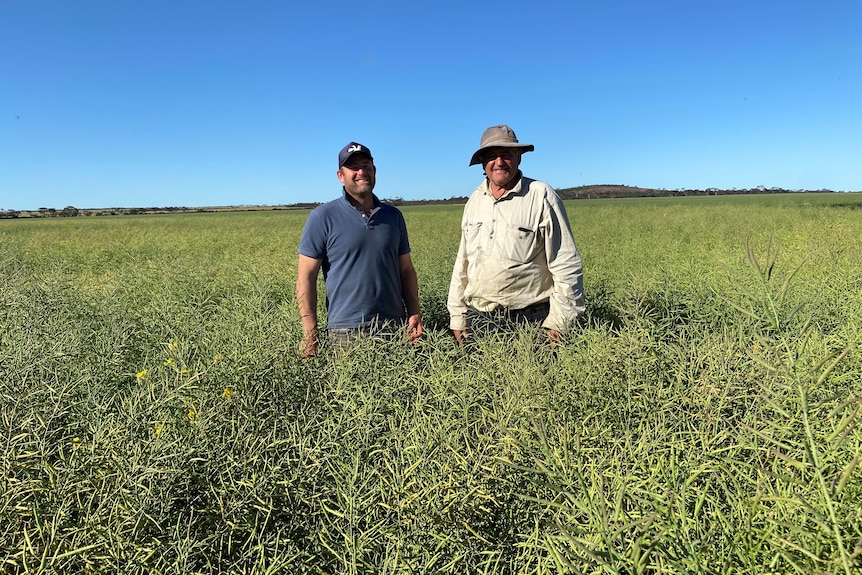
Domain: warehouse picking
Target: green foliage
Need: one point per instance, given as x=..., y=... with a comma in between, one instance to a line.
x=156, y=418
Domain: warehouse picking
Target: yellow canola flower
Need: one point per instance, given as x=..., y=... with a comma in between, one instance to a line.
x=142, y=374
x=158, y=429
x=169, y=361
x=193, y=415
x=174, y=345
x=217, y=358
x=227, y=394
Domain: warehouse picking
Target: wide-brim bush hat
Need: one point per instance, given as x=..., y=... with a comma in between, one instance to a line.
x=501, y=136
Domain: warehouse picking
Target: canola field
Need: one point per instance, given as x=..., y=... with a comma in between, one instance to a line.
x=156, y=418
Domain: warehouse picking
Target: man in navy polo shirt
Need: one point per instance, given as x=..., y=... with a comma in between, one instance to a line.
x=361, y=245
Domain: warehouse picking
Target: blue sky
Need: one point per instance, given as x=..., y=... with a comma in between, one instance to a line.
x=128, y=103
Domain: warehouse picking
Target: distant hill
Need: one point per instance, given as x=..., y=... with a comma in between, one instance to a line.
x=620, y=191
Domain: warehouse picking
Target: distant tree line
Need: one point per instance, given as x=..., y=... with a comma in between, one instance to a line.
x=577, y=193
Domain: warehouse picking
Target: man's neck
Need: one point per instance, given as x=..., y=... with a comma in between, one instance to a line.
x=500, y=191
x=364, y=203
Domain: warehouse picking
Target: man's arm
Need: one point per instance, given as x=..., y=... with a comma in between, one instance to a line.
x=306, y=300
x=564, y=263
x=410, y=291
x=455, y=300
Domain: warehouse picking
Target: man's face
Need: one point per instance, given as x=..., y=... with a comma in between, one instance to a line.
x=501, y=165
x=358, y=175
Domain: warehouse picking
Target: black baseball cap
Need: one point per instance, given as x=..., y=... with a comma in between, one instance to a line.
x=349, y=150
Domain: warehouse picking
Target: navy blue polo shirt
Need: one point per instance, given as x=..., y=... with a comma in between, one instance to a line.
x=359, y=258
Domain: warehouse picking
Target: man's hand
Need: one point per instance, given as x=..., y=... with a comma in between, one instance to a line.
x=308, y=345
x=414, y=328
x=459, y=336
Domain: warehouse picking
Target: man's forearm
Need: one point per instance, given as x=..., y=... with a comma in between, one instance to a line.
x=410, y=291
x=306, y=300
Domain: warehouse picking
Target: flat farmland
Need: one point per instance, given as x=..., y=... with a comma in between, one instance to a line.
x=156, y=418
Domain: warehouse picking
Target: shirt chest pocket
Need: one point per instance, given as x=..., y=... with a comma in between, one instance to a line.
x=474, y=239
x=521, y=243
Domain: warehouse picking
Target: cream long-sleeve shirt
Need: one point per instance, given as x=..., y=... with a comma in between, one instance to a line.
x=515, y=252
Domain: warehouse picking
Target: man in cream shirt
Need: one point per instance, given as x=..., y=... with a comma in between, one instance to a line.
x=517, y=262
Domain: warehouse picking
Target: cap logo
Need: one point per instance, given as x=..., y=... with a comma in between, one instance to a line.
x=354, y=148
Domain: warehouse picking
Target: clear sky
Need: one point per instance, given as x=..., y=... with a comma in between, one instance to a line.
x=154, y=103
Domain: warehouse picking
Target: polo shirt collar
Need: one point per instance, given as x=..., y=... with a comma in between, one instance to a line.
x=346, y=198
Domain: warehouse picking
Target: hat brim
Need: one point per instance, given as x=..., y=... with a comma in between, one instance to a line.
x=477, y=156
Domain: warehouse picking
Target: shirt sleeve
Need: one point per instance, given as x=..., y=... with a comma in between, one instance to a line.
x=313, y=240
x=404, y=243
x=565, y=266
x=456, y=305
